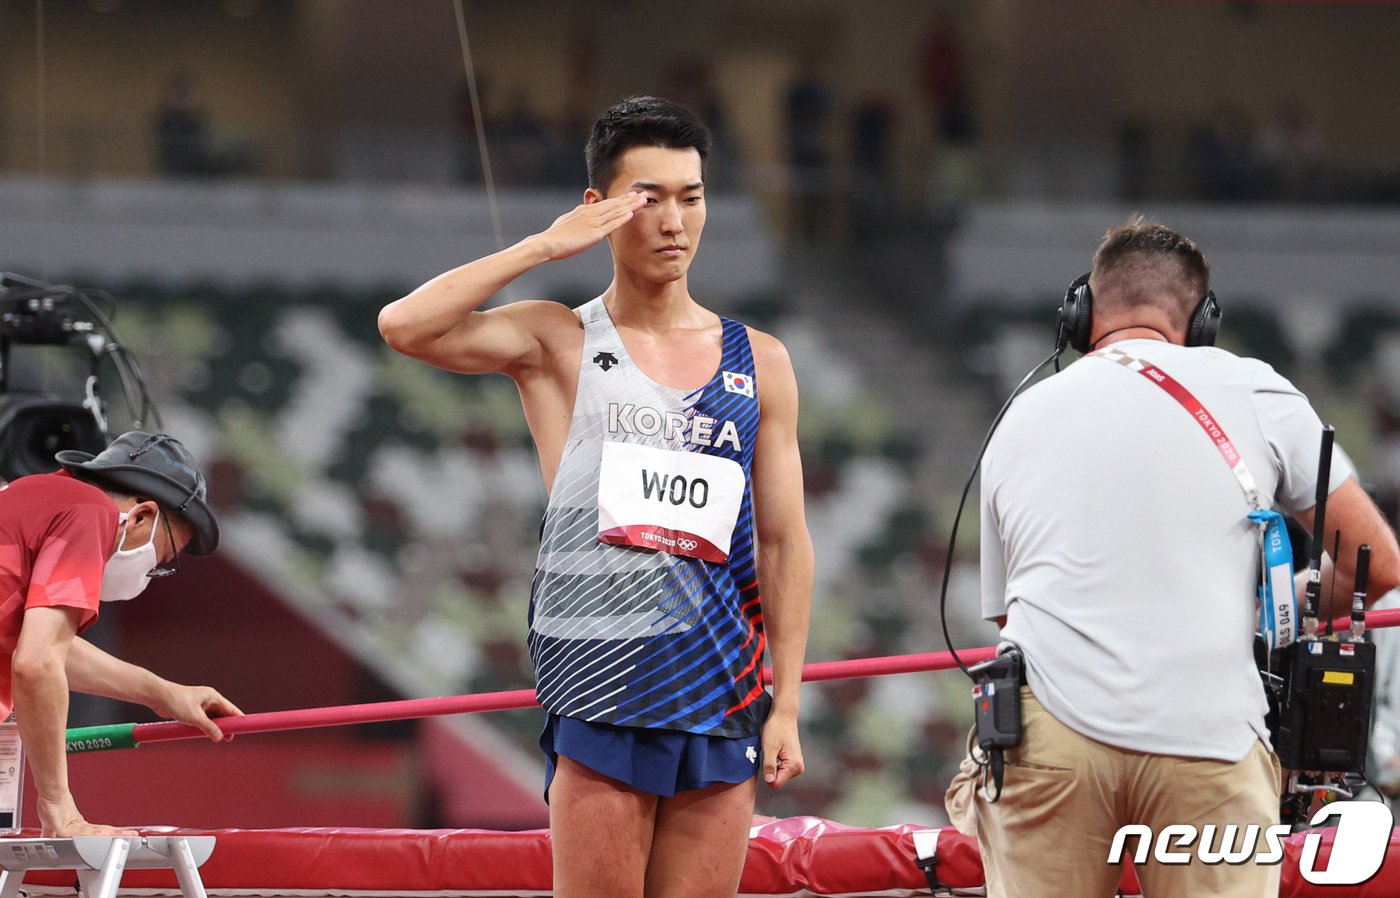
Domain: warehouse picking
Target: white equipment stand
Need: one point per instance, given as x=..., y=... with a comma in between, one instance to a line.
x=100, y=860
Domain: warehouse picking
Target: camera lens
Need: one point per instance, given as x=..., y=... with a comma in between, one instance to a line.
x=41, y=436
x=40, y=429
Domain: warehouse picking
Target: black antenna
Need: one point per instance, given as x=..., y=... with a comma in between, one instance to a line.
x=1332, y=590
x=1312, y=594
x=1358, y=595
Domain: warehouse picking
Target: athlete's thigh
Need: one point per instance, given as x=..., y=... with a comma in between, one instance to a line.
x=701, y=840
x=601, y=834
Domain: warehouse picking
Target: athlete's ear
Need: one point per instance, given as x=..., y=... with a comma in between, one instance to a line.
x=592, y=196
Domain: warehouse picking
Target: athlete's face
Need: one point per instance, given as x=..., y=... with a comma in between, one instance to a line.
x=660, y=240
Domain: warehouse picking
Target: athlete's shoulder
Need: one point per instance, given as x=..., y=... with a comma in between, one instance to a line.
x=768, y=351
x=542, y=313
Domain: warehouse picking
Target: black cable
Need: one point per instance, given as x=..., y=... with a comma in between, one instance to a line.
x=129, y=373
x=962, y=502
x=109, y=299
x=1385, y=799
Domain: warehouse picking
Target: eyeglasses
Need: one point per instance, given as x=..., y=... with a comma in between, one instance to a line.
x=173, y=565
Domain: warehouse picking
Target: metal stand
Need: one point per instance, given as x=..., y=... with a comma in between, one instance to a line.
x=100, y=860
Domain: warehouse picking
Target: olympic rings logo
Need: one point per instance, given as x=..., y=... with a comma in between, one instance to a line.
x=688, y=545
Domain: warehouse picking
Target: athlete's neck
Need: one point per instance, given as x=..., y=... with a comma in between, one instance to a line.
x=648, y=305
x=1131, y=332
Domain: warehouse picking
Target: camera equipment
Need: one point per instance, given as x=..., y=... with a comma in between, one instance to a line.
x=1311, y=595
x=996, y=698
x=36, y=425
x=40, y=317
x=1325, y=705
x=1326, y=687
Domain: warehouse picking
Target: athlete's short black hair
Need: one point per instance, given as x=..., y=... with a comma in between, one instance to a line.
x=641, y=122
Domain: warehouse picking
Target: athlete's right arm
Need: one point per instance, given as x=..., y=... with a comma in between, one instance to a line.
x=439, y=323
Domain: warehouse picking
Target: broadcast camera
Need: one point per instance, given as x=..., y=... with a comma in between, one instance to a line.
x=36, y=424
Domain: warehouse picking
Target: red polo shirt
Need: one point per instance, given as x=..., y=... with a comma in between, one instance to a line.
x=56, y=534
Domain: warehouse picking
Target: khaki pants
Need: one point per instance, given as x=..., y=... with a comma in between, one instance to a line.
x=1065, y=795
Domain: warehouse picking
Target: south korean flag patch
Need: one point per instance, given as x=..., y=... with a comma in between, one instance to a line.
x=738, y=383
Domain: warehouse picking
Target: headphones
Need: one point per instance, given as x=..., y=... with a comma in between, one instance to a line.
x=1077, y=319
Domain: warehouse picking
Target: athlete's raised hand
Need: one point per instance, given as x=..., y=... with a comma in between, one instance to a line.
x=441, y=322
x=587, y=225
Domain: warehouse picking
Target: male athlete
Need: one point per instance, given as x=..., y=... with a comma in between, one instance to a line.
x=667, y=438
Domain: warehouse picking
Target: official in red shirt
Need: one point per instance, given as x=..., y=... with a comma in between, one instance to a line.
x=97, y=531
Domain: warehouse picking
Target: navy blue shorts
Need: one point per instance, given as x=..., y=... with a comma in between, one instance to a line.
x=662, y=762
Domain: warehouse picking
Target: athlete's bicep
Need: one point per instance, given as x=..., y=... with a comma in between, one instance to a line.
x=504, y=340
x=779, y=511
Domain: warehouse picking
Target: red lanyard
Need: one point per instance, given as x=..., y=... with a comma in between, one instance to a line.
x=1198, y=413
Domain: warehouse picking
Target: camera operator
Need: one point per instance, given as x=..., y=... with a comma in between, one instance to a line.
x=1117, y=555
x=95, y=532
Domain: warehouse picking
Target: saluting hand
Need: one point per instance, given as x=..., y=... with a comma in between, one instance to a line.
x=587, y=225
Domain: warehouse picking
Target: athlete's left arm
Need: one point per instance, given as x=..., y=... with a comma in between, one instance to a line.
x=785, y=558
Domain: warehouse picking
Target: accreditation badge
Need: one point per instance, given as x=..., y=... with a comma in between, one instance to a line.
x=669, y=500
x=1278, y=603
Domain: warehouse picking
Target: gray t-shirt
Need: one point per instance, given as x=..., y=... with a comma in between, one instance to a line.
x=1115, y=539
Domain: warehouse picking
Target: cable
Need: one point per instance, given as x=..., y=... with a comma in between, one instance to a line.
x=42, y=124
x=962, y=502
x=128, y=367
x=129, y=373
x=109, y=299
x=479, y=123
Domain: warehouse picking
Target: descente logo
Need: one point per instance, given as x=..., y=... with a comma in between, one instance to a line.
x=1359, y=847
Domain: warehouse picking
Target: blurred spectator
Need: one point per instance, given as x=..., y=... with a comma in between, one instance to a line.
x=690, y=83
x=1385, y=418
x=469, y=169
x=181, y=131
x=1291, y=151
x=1134, y=148
x=1227, y=163
x=943, y=77
x=808, y=110
x=1383, y=761
x=523, y=140
x=872, y=149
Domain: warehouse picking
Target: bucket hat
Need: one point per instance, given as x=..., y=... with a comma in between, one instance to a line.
x=152, y=466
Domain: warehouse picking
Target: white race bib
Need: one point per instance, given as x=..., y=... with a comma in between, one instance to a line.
x=682, y=503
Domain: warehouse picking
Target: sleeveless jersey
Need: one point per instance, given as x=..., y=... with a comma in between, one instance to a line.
x=622, y=633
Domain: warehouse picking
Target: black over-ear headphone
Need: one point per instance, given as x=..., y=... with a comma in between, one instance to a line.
x=1077, y=319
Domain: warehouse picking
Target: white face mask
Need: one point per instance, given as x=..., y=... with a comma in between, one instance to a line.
x=124, y=577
